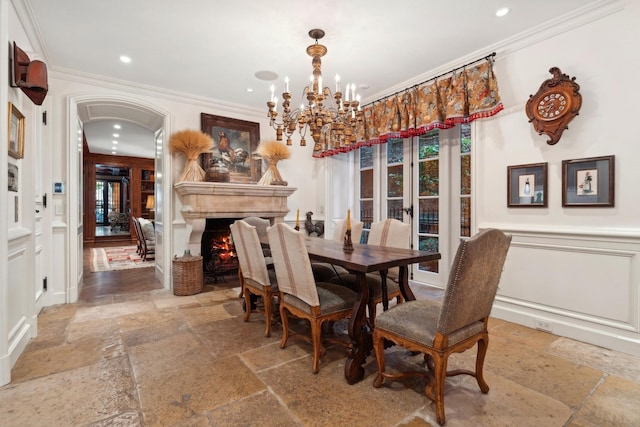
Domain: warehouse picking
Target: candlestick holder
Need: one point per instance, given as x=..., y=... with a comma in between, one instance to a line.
x=348, y=244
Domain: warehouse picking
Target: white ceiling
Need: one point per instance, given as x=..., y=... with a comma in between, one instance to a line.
x=213, y=49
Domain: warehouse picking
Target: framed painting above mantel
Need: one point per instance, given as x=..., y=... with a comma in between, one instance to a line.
x=234, y=142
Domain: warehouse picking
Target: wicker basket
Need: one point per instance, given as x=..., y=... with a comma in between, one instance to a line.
x=187, y=275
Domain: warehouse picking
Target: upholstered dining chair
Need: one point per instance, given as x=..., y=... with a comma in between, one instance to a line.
x=300, y=295
x=323, y=271
x=261, y=225
x=390, y=233
x=254, y=277
x=439, y=328
x=146, y=236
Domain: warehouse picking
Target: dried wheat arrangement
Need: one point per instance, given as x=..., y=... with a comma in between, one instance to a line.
x=191, y=143
x=273, y=152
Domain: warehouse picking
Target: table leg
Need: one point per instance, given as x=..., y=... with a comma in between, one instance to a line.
x=359, y=334
x=385, y=290
x=407, y=293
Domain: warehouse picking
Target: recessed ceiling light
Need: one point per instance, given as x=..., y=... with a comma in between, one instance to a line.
x=117, y=126
x=266, y=75
x=249, y=89
x=125, y=59
x=114, y=141
x=113, y=152
x=115, y=135
x=502, y=11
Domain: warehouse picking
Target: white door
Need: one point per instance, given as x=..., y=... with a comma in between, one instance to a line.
x=424, y=181
x=442, y=198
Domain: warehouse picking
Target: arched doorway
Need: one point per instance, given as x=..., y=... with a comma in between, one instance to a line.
x=85, y=109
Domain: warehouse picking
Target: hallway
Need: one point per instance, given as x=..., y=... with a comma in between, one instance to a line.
x=142, y=356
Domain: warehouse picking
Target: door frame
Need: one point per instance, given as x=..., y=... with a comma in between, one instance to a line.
x=75, y=184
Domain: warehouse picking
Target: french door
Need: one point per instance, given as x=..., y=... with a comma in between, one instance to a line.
x=424, y=181
x=109, y=198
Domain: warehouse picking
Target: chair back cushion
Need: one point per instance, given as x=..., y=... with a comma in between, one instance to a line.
x=249, y=250
x=390, y=233
x=341, y=228
x=261, y=225
x=473, y=280
x=148, y=232
x=292, y=264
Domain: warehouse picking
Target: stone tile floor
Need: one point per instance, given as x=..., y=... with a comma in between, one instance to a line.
x=155, y=359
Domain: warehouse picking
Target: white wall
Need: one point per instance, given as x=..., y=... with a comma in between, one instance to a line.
x=575, y=269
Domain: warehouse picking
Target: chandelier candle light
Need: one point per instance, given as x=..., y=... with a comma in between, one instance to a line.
x=336, y=126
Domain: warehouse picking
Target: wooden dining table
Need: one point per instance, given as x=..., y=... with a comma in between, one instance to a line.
x=365, y=259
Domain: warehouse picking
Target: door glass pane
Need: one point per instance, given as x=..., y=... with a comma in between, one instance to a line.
x=465, y=217
x=428, y=216
x=394, y=209
x=429, y=145
x=395, y=149
x=394, y=181
x=465, y=175
x=428, y=192
x=429, y=178
x=465, y=180
x=366, y=157
x=366, y=216
x=114, y=197
x=366, y=184
x=465, y=138
x=428, y=244
x=100, y=219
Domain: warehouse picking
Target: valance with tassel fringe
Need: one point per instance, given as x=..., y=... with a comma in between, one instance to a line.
x=468, y=93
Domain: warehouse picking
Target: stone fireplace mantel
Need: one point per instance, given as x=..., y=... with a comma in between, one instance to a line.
x=202, y=200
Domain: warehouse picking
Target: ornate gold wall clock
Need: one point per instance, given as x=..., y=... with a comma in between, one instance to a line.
x=555, y=104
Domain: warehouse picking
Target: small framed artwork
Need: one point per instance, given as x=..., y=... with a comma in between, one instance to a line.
x=588, y=182
x=527, y=186
x=16, y=132
x=13, y=177
x=234, y=143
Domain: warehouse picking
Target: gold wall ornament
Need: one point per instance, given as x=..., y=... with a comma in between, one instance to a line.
x=339, y=124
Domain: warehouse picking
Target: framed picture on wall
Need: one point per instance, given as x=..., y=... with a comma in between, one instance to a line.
x=527, y=186
x=588, y=182
x=16, y=132
x=13, y=177
x=234, y=142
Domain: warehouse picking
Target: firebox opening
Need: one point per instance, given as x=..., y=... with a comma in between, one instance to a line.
x=219, y=257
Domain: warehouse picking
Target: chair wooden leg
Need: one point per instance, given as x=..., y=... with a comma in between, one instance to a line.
x=372, y=313
x=439, y=376
x=247, y=304
x=378, y=347
x=267, y=300
x=483, y=344
x=241, y=279
x=316, y=332
x=285, y=327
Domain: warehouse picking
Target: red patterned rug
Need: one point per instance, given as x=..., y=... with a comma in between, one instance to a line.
x=117, y=258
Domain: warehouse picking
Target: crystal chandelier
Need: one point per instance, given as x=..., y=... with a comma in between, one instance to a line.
x=336, y=126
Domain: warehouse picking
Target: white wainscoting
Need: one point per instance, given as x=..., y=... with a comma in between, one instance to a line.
x=582, y=285
x=20, y=293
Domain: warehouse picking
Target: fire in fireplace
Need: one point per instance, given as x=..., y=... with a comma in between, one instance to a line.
x=219, y=257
